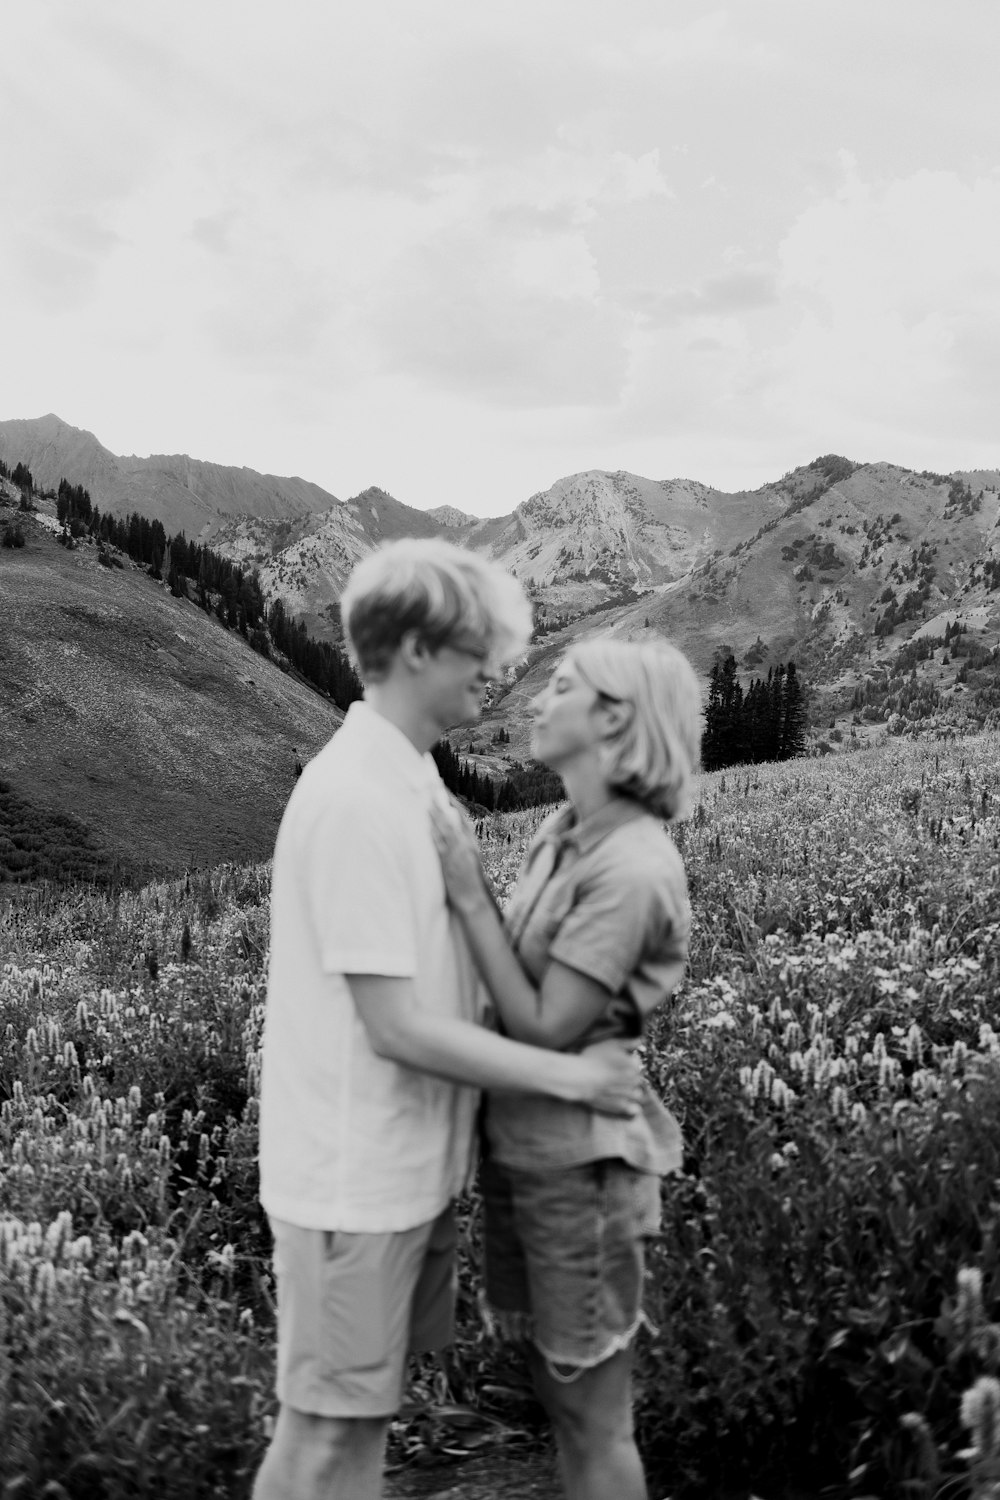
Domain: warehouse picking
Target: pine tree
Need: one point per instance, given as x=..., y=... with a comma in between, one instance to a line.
x=793, y=739
x=776, y=713
x=711, y=742
x=731, y=736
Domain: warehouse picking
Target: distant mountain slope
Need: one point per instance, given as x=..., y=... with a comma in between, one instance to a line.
x=186, y=494
x=139, y=714
x=835, y=565
x=307, y=564
x=634, y=530
x=303, y=539
x=451, y=516
x=590, y=539
x=578, y=544
x=852, y=564
x=881, y=546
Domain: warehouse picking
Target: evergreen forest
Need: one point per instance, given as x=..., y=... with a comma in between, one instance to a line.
x=766, y=722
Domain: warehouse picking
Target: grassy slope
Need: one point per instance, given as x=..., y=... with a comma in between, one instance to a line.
x=140, y=715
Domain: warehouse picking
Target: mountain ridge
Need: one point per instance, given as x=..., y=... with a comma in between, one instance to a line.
x=836, y=564
x=186, y=494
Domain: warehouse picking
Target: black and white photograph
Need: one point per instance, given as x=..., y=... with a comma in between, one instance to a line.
x=500, y=750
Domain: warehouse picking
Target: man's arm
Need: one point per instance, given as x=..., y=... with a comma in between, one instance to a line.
x=607, y=1077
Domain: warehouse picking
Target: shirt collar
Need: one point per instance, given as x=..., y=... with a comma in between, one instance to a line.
x=391, y=746
x=588, y=833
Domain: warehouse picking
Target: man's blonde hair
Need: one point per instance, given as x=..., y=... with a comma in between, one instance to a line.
x=447, y=595
x=654, y=755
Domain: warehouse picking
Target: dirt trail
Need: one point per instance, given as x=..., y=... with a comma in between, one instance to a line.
x=498, y=1475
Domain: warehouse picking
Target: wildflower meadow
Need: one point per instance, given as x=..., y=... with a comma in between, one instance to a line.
x=823, y=1293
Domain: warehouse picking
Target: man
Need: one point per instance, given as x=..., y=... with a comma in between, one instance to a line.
x=373, y=1044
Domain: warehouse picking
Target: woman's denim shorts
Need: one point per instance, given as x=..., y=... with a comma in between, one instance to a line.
x=564, y=1257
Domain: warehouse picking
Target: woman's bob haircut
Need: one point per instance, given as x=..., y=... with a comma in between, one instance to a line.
x=446, y=595
x=652, y=758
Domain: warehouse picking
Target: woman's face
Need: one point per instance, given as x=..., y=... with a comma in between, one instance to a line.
x=568, y=717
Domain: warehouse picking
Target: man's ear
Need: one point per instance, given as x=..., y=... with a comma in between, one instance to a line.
x=413, y=651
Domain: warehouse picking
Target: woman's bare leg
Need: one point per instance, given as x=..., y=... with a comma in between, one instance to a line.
x=592, y=1419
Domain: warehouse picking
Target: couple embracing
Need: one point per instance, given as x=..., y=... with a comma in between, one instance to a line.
x=397, y=993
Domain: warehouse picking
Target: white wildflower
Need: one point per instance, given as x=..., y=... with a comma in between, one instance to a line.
x=981, y=1414
x=914, y=1043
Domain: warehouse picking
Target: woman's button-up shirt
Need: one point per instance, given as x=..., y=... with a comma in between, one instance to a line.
x=607, y=897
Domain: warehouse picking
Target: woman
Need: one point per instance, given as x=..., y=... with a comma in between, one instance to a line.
x=594, y=939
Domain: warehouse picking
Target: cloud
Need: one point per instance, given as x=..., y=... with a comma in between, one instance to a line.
x=630, y=239
x=57, y=256
x=896, y=289
x=875, y=333
x=519, y=323
x=560, y=179
x=214, y=231
x=496, y=290
x=711, y=40
x=725, y=293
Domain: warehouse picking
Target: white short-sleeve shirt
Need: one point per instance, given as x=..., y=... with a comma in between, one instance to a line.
x=350, y=1140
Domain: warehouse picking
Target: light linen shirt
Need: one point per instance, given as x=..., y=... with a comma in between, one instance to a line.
x=350, y=1140
x=607, y=897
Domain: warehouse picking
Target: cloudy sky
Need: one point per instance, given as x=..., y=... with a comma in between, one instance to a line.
x=460, y=250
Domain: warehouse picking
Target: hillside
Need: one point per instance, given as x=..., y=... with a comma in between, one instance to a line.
x=853, y=565
x=184, y=493
x=880, y=544
x=587, y=541
x=307, y=564
x=138, y=714
x=835, y=565
x=303, y=540
x=855, y=571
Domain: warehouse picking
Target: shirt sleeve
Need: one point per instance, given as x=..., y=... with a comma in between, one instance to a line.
x=354, y=883
x=625, y=919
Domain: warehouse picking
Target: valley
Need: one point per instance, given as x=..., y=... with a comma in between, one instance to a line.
x=879, y=582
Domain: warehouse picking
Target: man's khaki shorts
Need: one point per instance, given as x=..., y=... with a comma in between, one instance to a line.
x=351, y=1307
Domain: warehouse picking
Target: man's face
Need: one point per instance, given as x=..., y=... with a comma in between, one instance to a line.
x=454, y=682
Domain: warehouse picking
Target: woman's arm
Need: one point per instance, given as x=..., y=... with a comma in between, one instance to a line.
x=607, y=1077
x=567, y=1003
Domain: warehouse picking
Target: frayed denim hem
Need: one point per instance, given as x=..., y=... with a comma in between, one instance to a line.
x=519, y=1328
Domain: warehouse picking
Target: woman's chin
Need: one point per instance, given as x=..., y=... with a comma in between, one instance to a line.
x=538, y=752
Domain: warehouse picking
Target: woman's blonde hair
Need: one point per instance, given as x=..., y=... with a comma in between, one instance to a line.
x=449, y=596
x=654, y=755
